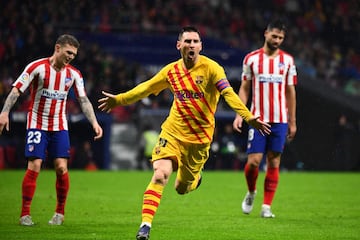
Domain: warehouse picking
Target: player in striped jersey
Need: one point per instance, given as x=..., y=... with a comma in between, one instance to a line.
x=197, y=83
x=49, y=80
x=269, y=73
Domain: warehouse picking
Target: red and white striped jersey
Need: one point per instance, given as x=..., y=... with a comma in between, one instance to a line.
x=269, y=77
x=48, y=93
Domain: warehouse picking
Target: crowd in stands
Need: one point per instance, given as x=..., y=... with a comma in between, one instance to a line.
x=322, y=35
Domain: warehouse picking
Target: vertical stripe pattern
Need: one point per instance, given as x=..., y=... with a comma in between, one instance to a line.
x=48, y=93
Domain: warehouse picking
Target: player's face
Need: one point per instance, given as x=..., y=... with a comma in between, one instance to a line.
x=274, y=38
x=190, y=46
x=65, y=54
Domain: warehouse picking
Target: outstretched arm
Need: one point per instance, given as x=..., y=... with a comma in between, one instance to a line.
x=89, y=113
x=108, y=102
x=9, y=103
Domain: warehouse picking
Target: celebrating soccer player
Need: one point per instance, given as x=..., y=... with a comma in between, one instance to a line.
x=183, y=144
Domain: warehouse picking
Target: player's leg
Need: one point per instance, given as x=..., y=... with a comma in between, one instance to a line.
x=36, y=142
x=193, y=159
x=164, y=160
x=59, y=148
x=28, y=190
x=152, y=195
x=270, y=183
x=276, y=143
x=256, y=147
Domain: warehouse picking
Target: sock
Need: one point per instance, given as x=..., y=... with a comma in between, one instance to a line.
x=28, y=190
x=251, y=175
x=270, y=185
x=151, y=201
x=62, y=188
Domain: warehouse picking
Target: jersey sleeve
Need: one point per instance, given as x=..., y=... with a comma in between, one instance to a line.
x=79, y=85
x=233, y=100
x=292, y=74
x=152, y=86
x=25, y=78
x=246, y=74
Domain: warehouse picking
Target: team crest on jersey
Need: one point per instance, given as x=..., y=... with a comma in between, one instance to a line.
x=157, y=150
x=199, y=79
x=68, y=81
x=24, y=77
x=281, y=66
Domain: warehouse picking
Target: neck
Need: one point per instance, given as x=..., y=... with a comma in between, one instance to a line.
x=271, y=53
x=55, y=65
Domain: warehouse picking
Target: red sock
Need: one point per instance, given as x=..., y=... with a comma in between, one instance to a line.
x=62, y=188
x=270, y=184
x=251, y=175
x=28, y=190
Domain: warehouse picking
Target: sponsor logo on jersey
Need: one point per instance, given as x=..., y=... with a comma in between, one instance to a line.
x=183, y=95
x=271, y=78
x=53, y=94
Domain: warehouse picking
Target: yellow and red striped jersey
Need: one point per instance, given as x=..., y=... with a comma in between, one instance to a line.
x=196, y=96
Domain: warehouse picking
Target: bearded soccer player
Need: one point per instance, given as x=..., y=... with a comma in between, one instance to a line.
x=269, y=73
x=197, y=83
x=49, y=80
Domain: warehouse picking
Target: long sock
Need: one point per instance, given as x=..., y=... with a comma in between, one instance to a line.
x=270, y=184
x=28, y=191
x=62, y=188
x=251, y=175
x=151, y=201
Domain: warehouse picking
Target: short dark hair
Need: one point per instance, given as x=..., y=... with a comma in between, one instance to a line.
x=188, y=29
x=68, y=39
x=278, y=24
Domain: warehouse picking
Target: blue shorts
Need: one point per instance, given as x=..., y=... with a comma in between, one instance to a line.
x=43, y=144
x=275, y=142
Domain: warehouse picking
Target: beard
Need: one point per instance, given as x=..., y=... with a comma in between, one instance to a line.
x=272, y=47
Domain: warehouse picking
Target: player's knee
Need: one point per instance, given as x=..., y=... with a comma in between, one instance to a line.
x=254, y=164
x=161, y=176
x=60, y=170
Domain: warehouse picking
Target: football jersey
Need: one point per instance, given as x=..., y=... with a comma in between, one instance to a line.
x=196, y=95
x=48, y=93
x=269, y=77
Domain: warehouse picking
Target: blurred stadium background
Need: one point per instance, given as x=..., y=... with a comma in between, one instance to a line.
x=125, y=42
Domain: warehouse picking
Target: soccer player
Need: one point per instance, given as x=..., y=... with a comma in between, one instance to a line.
x=49, y=80
x=184, y=141
x=270, y=74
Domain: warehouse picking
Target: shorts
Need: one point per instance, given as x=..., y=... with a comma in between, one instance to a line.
x=42, y=144
x=275, y=142
x=188, y=158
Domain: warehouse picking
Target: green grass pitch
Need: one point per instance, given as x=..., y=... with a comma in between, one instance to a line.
x=107, y=205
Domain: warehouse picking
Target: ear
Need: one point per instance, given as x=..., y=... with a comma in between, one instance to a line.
x=178, y=45
x=57, y=47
